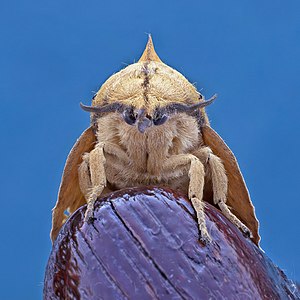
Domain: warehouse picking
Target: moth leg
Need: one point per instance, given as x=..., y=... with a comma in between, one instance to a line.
x=196, y=174
x=110, y=148
x=220, y=185
x=92, y=186
x=226, y=211
x=92, y=176
x=84, y=176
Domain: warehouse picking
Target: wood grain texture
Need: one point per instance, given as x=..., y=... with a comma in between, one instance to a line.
x=144, y=245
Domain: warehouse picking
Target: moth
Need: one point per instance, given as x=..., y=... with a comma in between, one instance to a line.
x=149, y=127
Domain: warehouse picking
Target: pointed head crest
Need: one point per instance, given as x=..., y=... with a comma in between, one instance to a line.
x=149, y=53
x=147, y=85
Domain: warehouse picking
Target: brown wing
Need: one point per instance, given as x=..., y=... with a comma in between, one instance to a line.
x=238, y=196
x=69, y=196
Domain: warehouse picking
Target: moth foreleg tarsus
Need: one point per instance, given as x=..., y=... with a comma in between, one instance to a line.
x=196, y=175
x=84, y=176
x=95, y=193
x=92, y=179
x=89, y=213
x=236, y=221
x=199, y=208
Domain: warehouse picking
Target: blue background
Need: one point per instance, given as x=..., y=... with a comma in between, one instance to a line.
x=54, y=54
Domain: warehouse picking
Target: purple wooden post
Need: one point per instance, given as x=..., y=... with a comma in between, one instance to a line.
x=144, y=245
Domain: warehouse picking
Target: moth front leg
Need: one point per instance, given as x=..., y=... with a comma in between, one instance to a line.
x=196, y=174
x=92, y=175
x=84, y=176
x=92, y=178
x=220, y=185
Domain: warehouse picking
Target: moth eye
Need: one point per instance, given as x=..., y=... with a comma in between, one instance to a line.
x=129, y=117
x=160, y=119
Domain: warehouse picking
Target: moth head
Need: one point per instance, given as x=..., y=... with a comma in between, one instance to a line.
x=147, y=93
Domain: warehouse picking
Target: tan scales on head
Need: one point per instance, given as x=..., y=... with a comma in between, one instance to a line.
x=149, y=83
